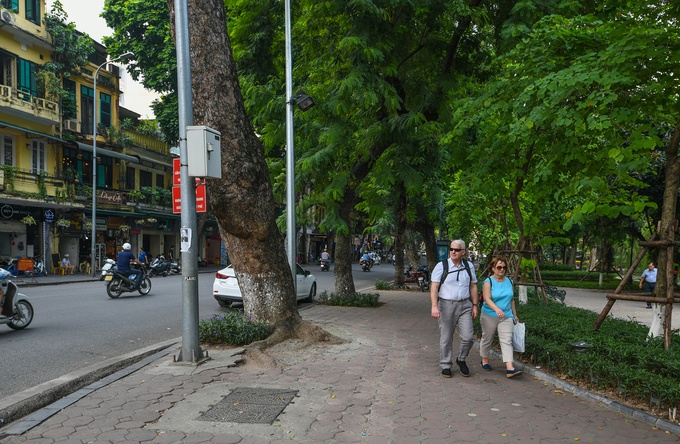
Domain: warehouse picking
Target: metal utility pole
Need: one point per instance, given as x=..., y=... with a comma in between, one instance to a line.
x=191, y=350
x=291, y=234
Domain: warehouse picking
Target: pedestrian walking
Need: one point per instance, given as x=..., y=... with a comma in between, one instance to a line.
x=453, y=295
x=498, y=315
x=648, y=280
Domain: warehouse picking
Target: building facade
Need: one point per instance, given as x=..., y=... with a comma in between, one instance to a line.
x=46, y=163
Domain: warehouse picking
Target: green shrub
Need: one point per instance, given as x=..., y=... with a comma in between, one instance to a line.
x=622, y=357
x=232, y=329
x=349, y=299
x=556, y=267
x=382, y=285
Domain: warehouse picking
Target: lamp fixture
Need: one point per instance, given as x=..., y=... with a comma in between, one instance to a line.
x=303, y=101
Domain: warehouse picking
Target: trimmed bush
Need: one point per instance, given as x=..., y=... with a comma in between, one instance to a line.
x=232, y=328
x=349, y=299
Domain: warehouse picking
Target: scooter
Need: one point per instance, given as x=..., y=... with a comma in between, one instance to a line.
x=108, y=268
x=159, y=266
x=175, y=267
x=119, y=283
x=38, y=268
x=17, y=312
x=366, y=265
x=420, y=275
x=325, y=264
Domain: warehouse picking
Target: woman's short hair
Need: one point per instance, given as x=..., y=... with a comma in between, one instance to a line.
x=496, y=260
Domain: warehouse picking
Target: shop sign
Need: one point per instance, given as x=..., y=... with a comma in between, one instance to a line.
x=49, y=216
x=110, y=197
x=6, y=211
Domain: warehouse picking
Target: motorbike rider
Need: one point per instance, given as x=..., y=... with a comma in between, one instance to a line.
x=124, y=258
x=368, y=258
x=325, y=256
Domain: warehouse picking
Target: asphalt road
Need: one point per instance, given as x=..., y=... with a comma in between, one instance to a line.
x=77, y=325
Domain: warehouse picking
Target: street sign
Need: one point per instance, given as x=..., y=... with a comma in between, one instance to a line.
x=201, y=201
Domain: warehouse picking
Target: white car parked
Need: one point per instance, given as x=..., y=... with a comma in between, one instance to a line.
x=226, y=290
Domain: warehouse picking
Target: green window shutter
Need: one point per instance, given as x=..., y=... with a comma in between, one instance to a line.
x=27, y=82
x=33, y=11
x=105, y=109
x=10, y=4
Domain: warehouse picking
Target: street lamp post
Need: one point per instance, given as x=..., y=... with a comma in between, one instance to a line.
x=94, y=161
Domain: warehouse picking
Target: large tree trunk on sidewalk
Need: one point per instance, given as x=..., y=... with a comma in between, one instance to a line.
x=242, y=200
x=399, y=238
x=344, y=279
x=667, y=225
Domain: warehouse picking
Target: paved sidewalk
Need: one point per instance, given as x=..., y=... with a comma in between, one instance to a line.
x=382, y=386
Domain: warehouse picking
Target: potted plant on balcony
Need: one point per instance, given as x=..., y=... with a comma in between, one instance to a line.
x=135, y=196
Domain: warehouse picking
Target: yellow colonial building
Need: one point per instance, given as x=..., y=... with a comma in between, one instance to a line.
x=46, y=165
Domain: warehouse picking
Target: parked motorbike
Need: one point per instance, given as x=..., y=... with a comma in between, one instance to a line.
x=420, y=275
x=17, y=312
x=38, y=269
x=175, y=267
x=119, y=283
x=159, y=266
x=366, y=265
x=108, y=268
x=325, y=264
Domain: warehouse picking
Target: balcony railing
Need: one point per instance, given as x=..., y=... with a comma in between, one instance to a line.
x=147, y=142
x=28, y=106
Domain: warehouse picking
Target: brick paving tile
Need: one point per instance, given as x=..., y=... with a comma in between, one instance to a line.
x=113, y=435
x=163, y=437
x=254, y=440
x=141, y=435
x=227, y=439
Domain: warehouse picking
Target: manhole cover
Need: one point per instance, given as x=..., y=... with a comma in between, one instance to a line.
x=250, y=406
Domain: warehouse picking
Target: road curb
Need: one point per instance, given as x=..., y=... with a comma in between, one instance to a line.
x=21, y=404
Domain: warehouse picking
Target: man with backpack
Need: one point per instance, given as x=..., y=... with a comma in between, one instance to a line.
x=454, y=298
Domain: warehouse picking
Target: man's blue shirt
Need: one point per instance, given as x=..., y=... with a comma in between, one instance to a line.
x=124, y=258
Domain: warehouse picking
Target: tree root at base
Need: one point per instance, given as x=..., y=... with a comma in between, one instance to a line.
x=304, y=334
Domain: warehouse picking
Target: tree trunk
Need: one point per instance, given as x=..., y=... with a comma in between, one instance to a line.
x=242, y=200
x=668, y=222
x=399, y=237
x=344, y=280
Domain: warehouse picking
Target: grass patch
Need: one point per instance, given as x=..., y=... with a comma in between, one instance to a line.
x=349, y=299
x=233, y=328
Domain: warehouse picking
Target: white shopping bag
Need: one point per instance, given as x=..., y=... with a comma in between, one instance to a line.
x=518, y=335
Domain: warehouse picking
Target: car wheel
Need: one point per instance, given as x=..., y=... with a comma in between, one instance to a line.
x=312, y=294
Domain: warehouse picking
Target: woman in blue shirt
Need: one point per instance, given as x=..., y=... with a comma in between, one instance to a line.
x=498, y=314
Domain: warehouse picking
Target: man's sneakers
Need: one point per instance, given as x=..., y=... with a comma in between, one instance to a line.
x=463, y=368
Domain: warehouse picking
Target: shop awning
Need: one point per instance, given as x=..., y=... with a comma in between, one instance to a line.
x=105, y=152
x=30, y=131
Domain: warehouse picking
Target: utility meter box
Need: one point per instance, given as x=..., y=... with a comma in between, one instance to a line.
x=203, y=152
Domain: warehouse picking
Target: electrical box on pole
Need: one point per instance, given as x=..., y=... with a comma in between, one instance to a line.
x=204, y=153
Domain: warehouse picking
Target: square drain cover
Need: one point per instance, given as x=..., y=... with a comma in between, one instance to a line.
x=250, y=406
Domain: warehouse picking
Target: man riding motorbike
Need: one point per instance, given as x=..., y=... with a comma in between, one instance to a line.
x=124, y=259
